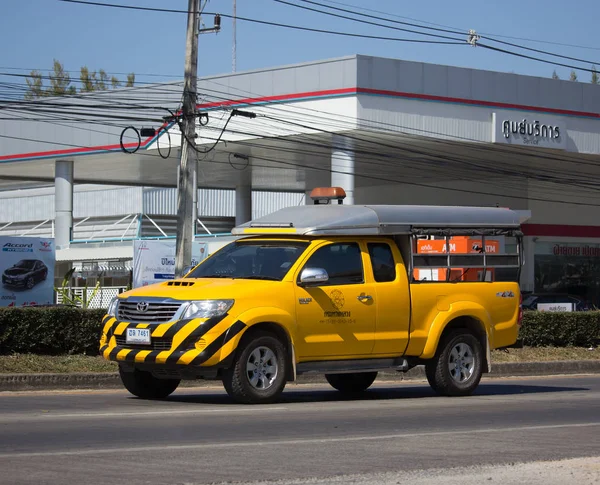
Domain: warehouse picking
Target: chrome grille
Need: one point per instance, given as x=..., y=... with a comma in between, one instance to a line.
x=155, y=312
x=157, y=343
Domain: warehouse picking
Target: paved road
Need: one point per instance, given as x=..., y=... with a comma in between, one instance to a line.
x=199, y=436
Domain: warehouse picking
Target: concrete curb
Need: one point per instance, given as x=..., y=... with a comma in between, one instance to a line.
x=110, y=380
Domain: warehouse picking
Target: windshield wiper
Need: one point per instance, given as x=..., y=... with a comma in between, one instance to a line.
x=214, y=276
x=259, y=277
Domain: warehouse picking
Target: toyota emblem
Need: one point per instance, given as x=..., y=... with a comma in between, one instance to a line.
x=142, y=306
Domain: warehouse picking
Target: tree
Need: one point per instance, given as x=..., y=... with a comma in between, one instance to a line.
x=595, y=79
x=60, y=82
x=573, y=76
x=554, y=75
x=35, y=85
x=87, y=80
x=130, y=80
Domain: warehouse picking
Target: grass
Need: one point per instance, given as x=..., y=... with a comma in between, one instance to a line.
x=53, y=364
x=39, y=364
x=545, y=354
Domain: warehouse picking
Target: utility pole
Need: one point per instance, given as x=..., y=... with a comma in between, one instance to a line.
x=233, y=50
x=187, y=164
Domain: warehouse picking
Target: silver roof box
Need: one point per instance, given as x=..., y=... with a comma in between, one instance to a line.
x=323, y=220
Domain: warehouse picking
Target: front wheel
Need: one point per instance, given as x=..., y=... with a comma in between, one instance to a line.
x=257, y=375
x=30, y=283
x=457, y=366
x=351, y=383
x=144, y=385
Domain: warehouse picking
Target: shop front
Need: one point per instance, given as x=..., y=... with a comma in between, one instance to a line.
x=568, y=268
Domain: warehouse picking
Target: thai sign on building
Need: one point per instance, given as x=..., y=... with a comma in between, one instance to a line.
x=27, y=267
x=529, y=129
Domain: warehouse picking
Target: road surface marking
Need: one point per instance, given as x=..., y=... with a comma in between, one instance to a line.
x=279, y=443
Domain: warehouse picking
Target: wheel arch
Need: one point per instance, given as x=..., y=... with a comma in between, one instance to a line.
x=282, y=335
x=471, y=321
x=475, y=327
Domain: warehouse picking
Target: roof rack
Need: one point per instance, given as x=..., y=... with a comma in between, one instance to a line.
x=332, y=219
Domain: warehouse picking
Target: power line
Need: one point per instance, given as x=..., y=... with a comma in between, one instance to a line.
x=75, y=79
x=423, y=27
x=297, y=151
x=365, y=21
x=524, y=56
x=534, y=153
x=538, y=50
x=145, y=74
x=421, y=152
x=368, y=176
x=273, y=24
x=58, y=111
x=526, y=39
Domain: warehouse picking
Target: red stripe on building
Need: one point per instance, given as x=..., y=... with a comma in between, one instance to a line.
x=476, y=102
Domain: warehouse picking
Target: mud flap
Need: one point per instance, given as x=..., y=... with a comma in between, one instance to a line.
x=293, y=376
x=488, y=355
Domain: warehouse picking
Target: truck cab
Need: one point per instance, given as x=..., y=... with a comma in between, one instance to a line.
x=345, y=291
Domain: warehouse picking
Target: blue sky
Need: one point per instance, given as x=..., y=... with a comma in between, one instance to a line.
x=33, y=32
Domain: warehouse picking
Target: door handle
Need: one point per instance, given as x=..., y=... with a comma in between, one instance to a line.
x=364, y=297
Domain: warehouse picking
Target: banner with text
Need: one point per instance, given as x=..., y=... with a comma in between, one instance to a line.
x=154, y=260
x=27, y=267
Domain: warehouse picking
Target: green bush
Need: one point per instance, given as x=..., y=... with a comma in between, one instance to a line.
x=69, y=330
x=576, y=329
x=50, y=331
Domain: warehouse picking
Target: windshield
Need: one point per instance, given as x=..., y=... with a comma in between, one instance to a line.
x=25, y=264
x=265, y=260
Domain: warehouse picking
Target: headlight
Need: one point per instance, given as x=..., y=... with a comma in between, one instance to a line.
x=207, y=308
x=112, y=307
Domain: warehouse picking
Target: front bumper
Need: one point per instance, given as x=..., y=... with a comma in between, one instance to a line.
x=198, y=342
x=14, y=283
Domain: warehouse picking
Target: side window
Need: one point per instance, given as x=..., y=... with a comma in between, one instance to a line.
x=342, y=262
x=382, y=261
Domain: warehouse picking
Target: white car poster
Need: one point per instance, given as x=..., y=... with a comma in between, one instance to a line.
x=27, y=267
x=154, y=260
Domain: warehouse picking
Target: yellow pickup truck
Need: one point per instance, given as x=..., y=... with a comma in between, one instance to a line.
x=341, y=290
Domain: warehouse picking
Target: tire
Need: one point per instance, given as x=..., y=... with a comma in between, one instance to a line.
x=430, y=374
x=351, y=383
x=144, y=385
x=30, y=283
x=258, y=372
x=457, y=366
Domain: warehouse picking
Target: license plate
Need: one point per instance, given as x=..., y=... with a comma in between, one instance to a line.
x=138, y=336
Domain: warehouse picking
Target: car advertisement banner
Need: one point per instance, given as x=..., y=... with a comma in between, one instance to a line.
x=154, y=260
x=27, y=267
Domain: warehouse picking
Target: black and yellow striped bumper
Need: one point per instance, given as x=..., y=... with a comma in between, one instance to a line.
x=197, y=342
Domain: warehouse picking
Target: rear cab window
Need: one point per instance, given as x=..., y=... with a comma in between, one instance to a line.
x=382, y=262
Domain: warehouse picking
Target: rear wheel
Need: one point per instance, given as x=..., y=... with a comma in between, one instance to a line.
x=30, y=283
x=257, y=375
x=351, y=383
x=144, y=385
x=457, y=366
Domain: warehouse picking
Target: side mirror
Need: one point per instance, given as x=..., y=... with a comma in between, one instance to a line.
x=313, y=276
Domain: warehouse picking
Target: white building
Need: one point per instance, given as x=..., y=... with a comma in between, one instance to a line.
x=388, y=131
